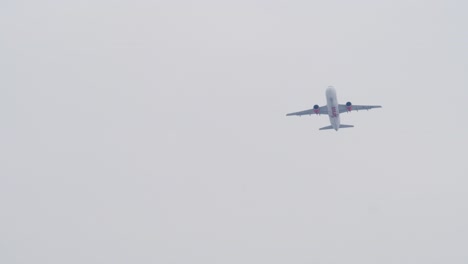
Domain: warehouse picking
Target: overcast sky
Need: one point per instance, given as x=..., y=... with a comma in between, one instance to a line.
x=155, y=132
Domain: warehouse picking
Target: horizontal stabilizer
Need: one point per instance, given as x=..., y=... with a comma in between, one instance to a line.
x=327, y=127
x=331, y=127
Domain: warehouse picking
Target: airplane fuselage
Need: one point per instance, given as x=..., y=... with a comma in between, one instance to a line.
x=332, y=106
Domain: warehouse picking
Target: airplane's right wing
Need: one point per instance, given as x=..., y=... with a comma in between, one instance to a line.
x=319, y=110
x=348, y=108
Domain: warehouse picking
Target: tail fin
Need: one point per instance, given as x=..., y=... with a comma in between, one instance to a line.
x=345, y=126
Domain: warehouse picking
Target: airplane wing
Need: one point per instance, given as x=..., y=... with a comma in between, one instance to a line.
x=349, y=108
x=320, y=110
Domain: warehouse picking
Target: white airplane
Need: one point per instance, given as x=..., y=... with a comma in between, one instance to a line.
x=333, y=109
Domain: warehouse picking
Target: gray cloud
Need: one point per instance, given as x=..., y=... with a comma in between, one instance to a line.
x=154, y=132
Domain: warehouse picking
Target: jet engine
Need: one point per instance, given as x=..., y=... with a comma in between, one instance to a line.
x=349, y=106
x=316, y=109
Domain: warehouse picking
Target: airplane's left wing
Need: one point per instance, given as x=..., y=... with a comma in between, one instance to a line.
x=350, y=107
x=319, y=110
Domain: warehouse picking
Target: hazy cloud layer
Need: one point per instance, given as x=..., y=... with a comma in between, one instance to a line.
x=155, y=132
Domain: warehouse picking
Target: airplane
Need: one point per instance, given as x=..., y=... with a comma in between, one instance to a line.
x=333, y=110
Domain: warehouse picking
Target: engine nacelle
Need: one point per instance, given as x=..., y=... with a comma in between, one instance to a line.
x=349, y=106
x=316, y=109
